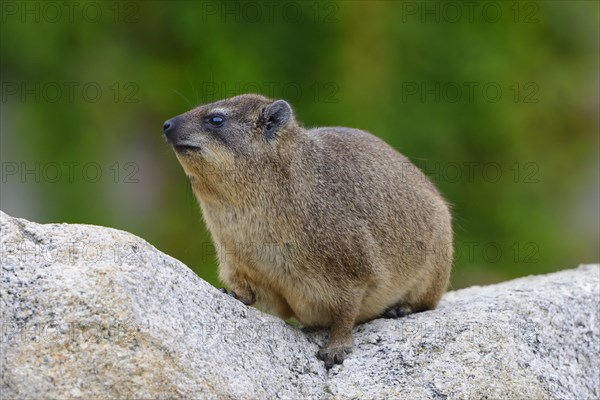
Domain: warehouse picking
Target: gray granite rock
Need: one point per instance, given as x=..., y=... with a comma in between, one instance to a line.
x=92, y=312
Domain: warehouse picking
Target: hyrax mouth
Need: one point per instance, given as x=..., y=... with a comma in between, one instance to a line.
x=184, y=149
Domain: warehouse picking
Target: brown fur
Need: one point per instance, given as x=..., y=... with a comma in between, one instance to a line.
x=330, y=226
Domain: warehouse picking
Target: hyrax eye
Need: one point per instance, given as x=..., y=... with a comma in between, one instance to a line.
x=216, y=120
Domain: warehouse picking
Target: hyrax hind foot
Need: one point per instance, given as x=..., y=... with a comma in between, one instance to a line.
x=340, y=341
x=333, y=355
x=398, y=310
x=245, y=299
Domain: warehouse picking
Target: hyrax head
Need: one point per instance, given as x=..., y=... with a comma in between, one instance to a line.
x=216, y=142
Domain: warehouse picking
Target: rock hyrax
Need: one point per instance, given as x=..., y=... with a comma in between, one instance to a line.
x=330, y=226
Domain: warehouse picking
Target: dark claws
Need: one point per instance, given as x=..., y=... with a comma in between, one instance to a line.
x=390, y=313
x=337, y=359
x=321, y=355
x=403, y=312
x=397, y=311
x=235, y=296
x=329, y=363
x=232, y=293
x=333, y=356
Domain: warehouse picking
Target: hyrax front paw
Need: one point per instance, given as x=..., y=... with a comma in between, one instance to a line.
x=247, y=299
x=333, y=355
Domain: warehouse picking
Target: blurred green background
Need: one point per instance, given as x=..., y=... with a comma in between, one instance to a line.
x=496, y=101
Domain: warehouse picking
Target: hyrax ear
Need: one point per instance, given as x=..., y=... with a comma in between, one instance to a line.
x=274, y=117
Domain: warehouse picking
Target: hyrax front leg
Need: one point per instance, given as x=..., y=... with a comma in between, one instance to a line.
x=241, y=289
x=340, y=341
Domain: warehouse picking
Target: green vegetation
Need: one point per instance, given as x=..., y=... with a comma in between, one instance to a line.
x=496, y=101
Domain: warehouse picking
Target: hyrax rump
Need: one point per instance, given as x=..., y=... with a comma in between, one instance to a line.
x=330, y=226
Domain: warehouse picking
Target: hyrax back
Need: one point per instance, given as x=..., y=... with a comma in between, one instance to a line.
x=330, y=226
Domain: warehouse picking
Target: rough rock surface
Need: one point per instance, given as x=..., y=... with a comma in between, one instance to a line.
x=92, y=312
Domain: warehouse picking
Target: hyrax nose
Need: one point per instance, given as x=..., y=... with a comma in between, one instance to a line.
x=170, y=126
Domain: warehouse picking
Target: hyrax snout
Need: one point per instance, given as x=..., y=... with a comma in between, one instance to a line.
x=330, y=226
